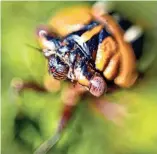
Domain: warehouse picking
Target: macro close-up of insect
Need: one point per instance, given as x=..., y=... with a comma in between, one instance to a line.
x=101, y=48
x=95, y=51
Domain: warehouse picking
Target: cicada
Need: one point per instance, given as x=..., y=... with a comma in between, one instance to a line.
x=92, y=48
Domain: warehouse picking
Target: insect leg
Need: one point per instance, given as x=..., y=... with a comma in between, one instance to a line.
x=105, y=51
x=133, y=34
x=128, y=73
x=112, y=69
x=19, y=85
x=52, y=141
x=70, y=94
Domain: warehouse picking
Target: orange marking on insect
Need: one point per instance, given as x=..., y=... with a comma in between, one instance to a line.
x=70, y=19
x=105, y=50
x=89, y=34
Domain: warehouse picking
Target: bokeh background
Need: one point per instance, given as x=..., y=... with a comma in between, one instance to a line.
x=31, y=118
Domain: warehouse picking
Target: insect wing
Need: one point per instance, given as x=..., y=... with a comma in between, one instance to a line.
x=70, y=19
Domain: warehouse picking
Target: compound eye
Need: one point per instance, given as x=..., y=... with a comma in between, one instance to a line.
x=58, y=69
x=60, y=72
x=98, y=86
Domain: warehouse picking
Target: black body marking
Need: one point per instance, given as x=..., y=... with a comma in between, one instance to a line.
x=103, y=34
x=85, y=28
x=74, y=53
x=138, y=46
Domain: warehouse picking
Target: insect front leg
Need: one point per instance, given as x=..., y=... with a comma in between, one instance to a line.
x=20, y=85
x=49, y=85
x=52, y=141
x=70, y=97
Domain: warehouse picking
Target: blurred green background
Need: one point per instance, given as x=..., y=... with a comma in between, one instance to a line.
x=33, y=117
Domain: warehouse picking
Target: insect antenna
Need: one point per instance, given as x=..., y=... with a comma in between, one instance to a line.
x=33, y=47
